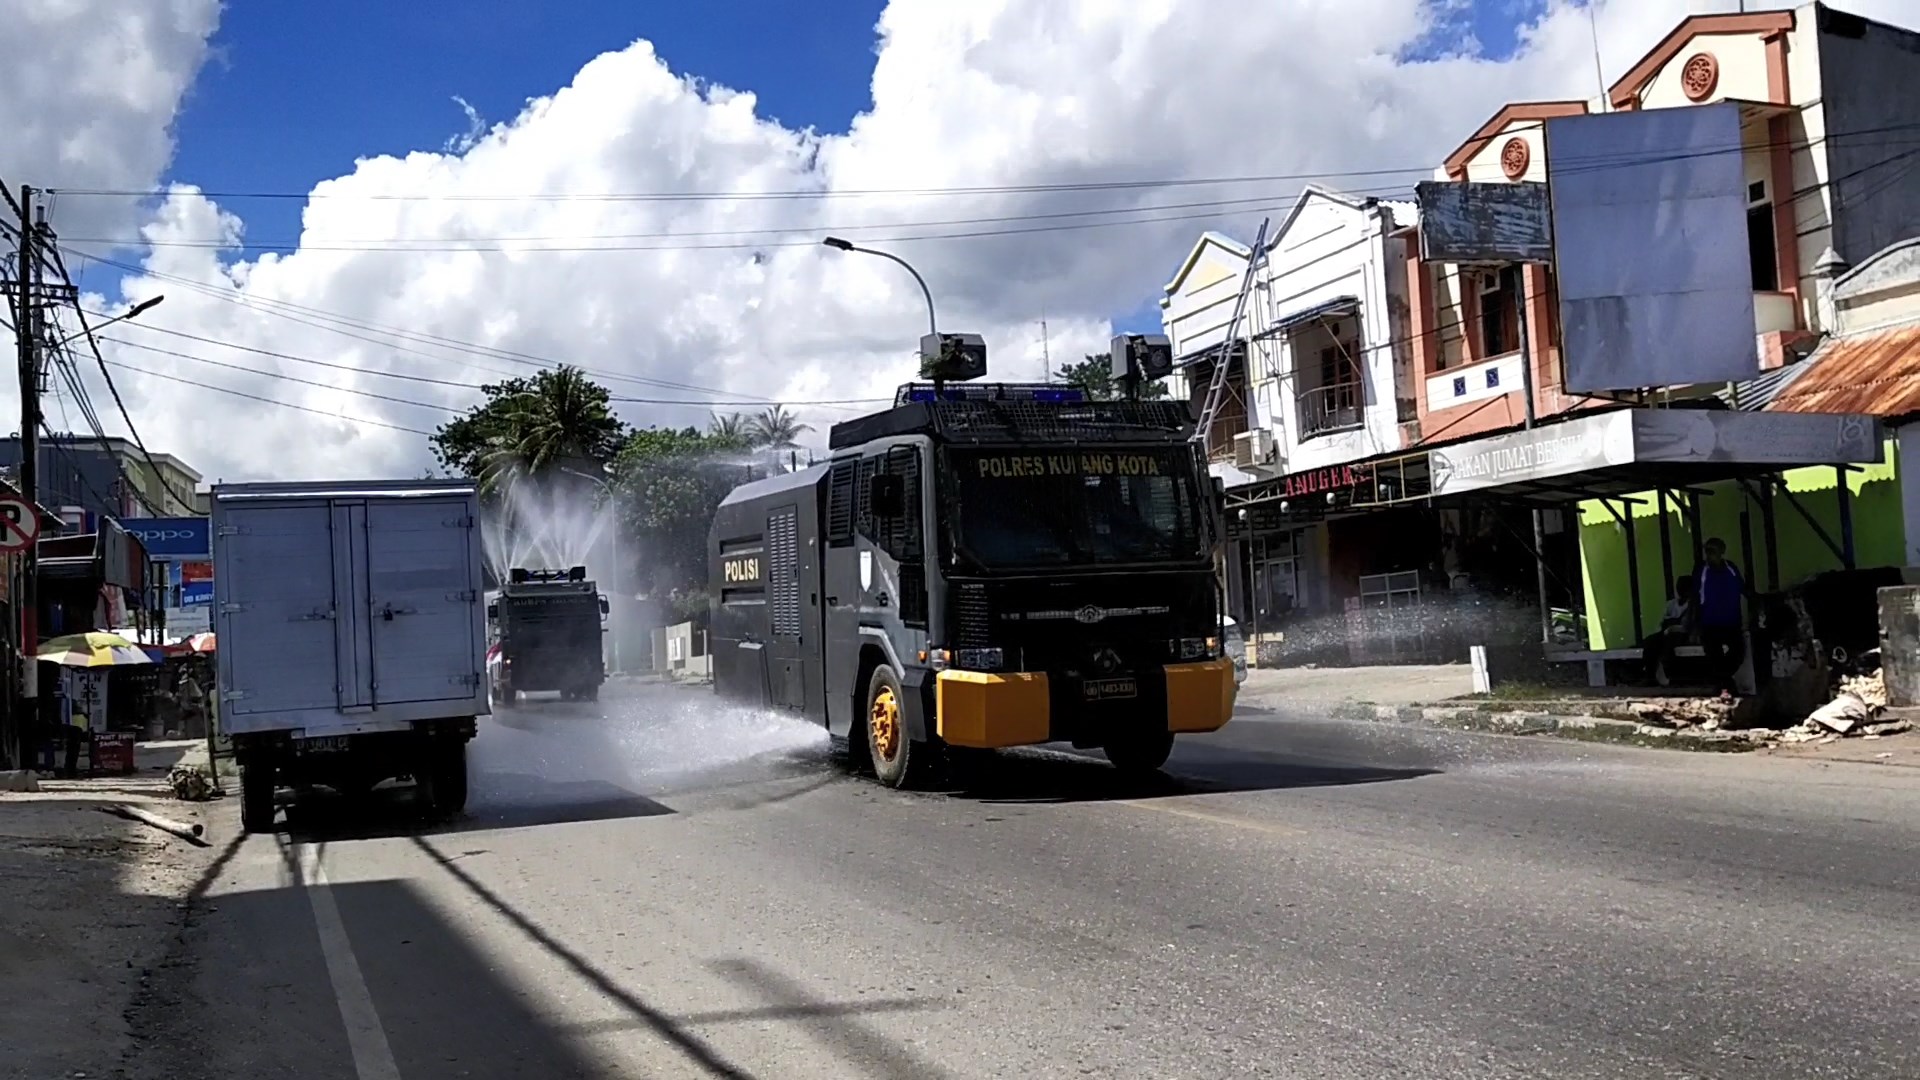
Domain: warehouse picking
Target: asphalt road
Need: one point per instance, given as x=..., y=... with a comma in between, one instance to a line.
x=670, y=890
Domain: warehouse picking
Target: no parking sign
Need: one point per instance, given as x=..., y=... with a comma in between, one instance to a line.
x=19, y=525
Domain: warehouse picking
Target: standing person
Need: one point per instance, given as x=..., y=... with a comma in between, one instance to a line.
x=1722, y=628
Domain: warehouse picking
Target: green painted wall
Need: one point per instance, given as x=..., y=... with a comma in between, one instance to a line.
x=1879, y=537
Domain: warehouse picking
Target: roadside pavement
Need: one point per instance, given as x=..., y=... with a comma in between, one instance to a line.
x=1436, y=696
x=1301, y=687
x=93, y=908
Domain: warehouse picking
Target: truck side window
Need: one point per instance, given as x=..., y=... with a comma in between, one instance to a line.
x=840, y=492
x=900, y=536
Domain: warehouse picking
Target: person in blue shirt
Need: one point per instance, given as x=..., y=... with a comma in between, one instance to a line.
x=1720, y=614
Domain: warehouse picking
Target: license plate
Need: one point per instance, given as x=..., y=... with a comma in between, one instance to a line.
x=1109, y=689
x=325, y=744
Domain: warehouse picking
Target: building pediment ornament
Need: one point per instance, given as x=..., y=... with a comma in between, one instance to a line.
x=1700, y=76
x=1515, y=156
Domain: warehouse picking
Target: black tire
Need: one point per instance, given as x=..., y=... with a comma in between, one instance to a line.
x=257, y=790
x=1140, y=752
x=443, y=777
x=591, y=693
x=891, y=750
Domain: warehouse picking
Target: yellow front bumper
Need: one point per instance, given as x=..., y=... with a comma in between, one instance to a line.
x=977, y=709
x=1200, y=696
x=989, y=711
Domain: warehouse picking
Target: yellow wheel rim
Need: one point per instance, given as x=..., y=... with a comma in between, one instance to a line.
x=884, y=721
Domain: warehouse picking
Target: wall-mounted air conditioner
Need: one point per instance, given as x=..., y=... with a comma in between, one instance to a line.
x=1253, y=449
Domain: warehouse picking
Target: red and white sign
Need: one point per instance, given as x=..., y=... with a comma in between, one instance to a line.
x=19, y=525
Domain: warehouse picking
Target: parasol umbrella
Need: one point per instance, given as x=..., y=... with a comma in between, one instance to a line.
x=200, y=643
x=91, y=650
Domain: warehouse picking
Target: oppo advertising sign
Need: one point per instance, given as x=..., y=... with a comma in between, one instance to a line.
x=186, y=539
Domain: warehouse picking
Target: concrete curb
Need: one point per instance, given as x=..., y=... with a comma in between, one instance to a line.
x=1509, y=721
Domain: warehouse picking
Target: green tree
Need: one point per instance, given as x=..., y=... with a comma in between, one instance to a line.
x=671, y=481
x=533, y=426
x=1095, y=376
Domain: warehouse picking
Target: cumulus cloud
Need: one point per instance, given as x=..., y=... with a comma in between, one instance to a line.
x=419, y=277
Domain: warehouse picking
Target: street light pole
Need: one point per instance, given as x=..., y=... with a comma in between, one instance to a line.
x=133, y=312
x=848, y=245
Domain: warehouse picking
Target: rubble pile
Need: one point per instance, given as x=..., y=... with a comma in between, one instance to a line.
x=1854, y=712
x=190, y=783
x=1708, y=714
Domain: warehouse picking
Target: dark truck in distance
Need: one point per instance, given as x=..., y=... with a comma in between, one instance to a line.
x=546, y=629
x=981, y=567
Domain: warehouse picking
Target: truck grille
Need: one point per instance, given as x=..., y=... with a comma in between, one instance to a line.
x=1091, y=625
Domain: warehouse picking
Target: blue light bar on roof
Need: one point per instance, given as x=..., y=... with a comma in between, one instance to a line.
x=1045, y=394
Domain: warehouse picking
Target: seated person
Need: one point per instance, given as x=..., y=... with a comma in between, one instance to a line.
x=1676, y=628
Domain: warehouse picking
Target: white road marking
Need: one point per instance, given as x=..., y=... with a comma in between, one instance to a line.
x=372, y=1057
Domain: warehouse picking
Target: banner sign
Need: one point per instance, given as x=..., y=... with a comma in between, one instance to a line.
x=173, y=539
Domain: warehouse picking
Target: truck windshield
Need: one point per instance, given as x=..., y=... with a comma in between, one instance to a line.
x=1075, y=506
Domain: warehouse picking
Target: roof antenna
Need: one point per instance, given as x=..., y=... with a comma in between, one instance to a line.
x=1599, y=73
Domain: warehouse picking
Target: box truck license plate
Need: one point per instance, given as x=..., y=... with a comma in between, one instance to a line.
x=325, y=744
x=1111, y=689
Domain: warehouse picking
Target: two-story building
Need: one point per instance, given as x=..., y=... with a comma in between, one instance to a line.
x=1830, y=106
x=1319, y=377
x=1326, y=447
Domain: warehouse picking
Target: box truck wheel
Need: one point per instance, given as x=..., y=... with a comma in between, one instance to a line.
x=257, y=782
x=443, y=777
x=1139, y=750
x=898, y=761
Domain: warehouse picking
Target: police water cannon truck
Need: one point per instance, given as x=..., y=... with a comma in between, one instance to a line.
x=983, y=566
x=547, y=635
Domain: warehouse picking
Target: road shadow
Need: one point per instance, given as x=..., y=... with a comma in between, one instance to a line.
x=1057, y=776
x=835, y=1026
x=508, y=801
x=251, y=993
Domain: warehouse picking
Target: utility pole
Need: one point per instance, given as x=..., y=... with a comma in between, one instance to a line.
x=26, y=328
x=1539, y=524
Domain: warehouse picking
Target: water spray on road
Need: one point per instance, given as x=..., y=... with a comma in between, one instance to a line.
x=645, y=740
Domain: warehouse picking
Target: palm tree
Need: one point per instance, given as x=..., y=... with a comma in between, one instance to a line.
x=730, y=429
x=776, y=429
x=562, y=420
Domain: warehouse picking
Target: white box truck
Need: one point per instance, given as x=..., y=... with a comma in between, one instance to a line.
x=351, y=636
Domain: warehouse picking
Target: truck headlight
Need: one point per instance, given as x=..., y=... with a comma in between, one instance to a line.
x=1193, y=648
x=978, y=659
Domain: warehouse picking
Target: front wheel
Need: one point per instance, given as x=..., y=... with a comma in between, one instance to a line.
x=1138, y=753
x=897, y=759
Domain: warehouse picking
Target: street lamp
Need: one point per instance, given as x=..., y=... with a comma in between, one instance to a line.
x=133, y=312
x=848, y=245
x=613, y=542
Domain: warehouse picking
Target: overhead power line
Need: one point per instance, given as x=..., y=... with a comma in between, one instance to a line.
x=786, y=230
x=823, y=193
x=86, y=331
x=322, y=319
x=336, y=366
x=123, y=365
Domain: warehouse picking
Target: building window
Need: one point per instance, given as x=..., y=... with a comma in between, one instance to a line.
x=1499, y=323
x=1762, y=245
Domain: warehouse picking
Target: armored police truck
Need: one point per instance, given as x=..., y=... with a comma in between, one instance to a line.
x=546, y=629
x=981, y=567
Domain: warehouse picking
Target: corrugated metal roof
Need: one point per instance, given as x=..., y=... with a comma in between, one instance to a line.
x=1877, y=374
x=1755, y=394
